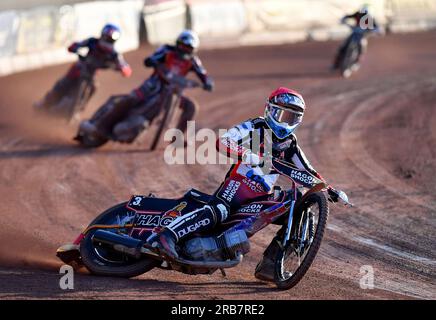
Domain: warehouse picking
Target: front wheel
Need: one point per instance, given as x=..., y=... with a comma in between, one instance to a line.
x=293, y=261
x=101, y=260
x=83, y=95
x=169, y=107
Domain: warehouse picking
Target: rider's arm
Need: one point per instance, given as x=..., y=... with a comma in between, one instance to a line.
x=201, y=72
x=77, y=45
x=236, y=141
x=349, y=16
x=296, y=156
x=122, y=65
x=156, y=58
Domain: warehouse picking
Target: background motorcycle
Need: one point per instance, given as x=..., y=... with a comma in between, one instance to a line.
x=121, y=108
x=76, y=98
x=115, y=243
x=348, y=55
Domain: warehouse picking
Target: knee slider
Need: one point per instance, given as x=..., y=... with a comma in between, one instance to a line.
x=220, y=211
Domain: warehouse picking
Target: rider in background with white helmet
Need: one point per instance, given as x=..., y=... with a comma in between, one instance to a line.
x=178, y=59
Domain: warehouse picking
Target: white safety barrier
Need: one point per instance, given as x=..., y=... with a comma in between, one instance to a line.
x=9, y=22
x=125, y=14
x=218, y=19
x=35, y=38
x=38, y=37
x=411, y=15
x=288, y=21
x=164, y=21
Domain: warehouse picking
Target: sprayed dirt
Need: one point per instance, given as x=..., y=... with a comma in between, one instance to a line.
x=373, y=136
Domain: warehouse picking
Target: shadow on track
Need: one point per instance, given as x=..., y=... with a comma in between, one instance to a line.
x=63, y=151
x=24, y=281
x=275, y=76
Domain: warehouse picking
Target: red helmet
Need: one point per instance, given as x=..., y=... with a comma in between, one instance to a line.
x=284, y=111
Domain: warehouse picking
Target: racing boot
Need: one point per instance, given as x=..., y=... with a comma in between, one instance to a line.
x=128, y=130
x=86, y=128
x=200, y=220
x=265, y=268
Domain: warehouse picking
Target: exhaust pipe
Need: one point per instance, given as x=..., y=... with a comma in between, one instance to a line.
x=124, y=244
x=135, y=248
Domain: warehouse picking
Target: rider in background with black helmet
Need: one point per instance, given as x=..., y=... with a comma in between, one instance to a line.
x=362, y=21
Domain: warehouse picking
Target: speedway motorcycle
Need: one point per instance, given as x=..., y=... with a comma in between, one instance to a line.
x=349, y=54
x=116, y=243
x=113, y=114
x=76, y=98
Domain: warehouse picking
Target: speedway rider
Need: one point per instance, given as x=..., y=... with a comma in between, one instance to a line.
x=284, y=111
x=101, y=55
x=364, y=23
x=178, y=59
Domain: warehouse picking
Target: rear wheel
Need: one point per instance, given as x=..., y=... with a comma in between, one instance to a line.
x=101, y=260
x=293, y=261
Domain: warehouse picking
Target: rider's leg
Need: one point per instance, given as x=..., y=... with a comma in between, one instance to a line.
x=117, y=106
x=197, y=221
x=361, y=52
x=149, y=111
x=265, y=268
x=363, y=46
x=127, y=130
x=108, y=114
x=204, y=219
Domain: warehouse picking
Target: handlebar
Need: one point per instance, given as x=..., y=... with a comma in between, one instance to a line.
x=175, y=80
x=339, y=196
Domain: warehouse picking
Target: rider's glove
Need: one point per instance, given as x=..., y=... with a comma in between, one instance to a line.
x=251, y=158
x=73, y=48
x=126, y=71
x=259, y=179
x=208, y=85
x=333, y=194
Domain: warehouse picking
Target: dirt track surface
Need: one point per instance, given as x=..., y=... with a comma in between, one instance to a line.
x=373, y=136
